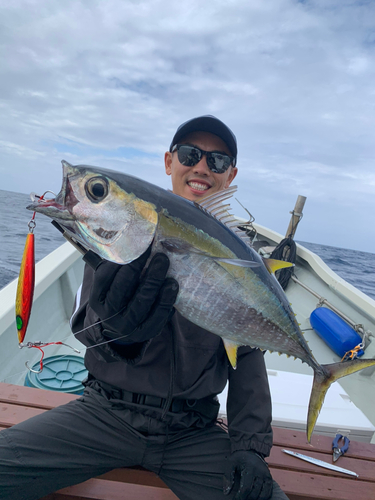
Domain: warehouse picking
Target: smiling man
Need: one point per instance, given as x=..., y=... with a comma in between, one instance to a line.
x=202, y=158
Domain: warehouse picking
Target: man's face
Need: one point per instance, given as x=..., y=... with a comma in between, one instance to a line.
x=197, y=182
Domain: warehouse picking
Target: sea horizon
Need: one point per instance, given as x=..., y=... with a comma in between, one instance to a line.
x=357, y=267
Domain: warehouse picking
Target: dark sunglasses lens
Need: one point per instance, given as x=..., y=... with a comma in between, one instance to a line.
x=188, y=155
x=218, y=163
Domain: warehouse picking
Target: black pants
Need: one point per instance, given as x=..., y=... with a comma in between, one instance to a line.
x=93, y=435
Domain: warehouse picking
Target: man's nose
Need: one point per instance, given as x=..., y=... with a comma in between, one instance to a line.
x=202, y=167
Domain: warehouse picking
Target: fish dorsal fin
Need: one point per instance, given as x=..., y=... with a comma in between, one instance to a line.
x=215, y=205
x=217, y=198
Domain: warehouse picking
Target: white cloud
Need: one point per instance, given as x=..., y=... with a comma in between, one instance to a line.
x=293, y=79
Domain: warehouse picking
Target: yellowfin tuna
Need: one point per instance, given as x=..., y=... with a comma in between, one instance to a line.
x=224, y=285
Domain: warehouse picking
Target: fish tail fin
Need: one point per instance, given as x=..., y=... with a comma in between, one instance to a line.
x=324, y=376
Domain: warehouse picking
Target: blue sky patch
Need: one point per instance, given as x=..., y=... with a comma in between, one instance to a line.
x=78, y=149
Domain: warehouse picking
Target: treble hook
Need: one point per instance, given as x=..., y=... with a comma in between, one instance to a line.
x=38, y=345
x=34, y=196
x=31, y=370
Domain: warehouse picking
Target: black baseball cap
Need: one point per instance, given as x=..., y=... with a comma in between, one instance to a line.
x=207, y=123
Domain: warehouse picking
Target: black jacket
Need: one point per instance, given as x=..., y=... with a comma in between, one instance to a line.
x=200, y=369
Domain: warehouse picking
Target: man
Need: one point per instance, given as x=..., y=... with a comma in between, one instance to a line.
x=150, y=398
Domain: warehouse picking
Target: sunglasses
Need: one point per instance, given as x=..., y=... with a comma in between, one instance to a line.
x=191, y=155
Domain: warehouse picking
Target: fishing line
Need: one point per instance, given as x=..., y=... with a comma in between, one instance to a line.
x=83, y=346
x=39, y=345
x=91, y=347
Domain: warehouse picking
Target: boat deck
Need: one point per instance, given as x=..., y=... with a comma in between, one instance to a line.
x=300, y=480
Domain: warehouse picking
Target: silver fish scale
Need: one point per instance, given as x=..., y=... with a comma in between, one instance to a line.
x=214, y=300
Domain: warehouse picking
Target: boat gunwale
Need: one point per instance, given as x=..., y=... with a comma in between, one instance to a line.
x=47, y=271
x=355, y=297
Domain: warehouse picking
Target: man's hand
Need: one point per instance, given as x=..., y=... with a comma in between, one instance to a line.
x=133, y=309
x=255, y=480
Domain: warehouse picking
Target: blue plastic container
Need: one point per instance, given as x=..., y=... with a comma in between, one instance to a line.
x=60, y=373
x=335, y=332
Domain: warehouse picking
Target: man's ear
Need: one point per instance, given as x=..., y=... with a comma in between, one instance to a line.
x=231, y=176
x=168, y=163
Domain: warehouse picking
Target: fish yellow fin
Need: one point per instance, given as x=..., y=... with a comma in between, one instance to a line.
x=231, y=348
x=274, y=265
x=323, y=378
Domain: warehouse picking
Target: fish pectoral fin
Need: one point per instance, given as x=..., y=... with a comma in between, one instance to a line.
x=177, y=245
x=238, y=262
x=274, y=265
x=180, y=246
x=231, y=349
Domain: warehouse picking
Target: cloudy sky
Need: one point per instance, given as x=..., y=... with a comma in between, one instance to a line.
x=107, y=82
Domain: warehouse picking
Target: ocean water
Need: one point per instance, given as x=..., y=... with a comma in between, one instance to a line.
x=13, y=231
x=357, y=268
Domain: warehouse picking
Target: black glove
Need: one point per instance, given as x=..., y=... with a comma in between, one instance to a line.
x=255, y=480
x=132, y=307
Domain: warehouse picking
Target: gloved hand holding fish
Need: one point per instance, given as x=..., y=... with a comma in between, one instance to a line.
x=225, y=287
x=139, y=311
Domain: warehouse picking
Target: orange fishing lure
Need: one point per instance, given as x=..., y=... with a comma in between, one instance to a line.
x=25, y=295
x=26, y=282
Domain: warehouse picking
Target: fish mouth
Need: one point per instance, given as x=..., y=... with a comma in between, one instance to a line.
x=51, y=208
x=59, y=208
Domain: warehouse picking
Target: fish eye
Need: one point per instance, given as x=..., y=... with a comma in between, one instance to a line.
x=96, y=189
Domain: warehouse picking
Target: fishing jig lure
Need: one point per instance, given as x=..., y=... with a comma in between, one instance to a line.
x=25, y=294
x=26, y=283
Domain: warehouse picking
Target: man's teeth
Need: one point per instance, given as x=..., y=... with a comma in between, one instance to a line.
x=199, y=187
